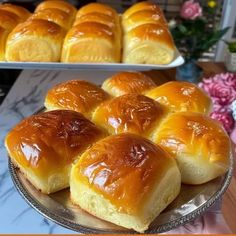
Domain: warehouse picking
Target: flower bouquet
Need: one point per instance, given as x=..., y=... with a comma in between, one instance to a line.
x=193, y=34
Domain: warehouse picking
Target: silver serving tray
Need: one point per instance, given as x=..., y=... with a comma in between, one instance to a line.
x=178, y=61
x=191, y=202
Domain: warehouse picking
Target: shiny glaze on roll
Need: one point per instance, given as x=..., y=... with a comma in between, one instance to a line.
x=193, y=134
x=181, y=96
x=49, y=141
x=128, y=82
x=128, y=113
x=76, y=95
x=124, y=169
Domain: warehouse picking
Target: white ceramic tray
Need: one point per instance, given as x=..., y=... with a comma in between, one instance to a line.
x=178, y=60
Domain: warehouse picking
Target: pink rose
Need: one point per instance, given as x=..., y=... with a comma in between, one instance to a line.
x=190, y=10
x=221, y=87
x=225, y=119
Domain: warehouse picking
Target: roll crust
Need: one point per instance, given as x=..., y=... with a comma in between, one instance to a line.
x=198, y=143
x=129, y=113
x=21, y=12
x=148, y=44
x=8, y=20
x=76, y=95
x=61, y=5
x=180, y=96
x=57, y=16
x=125, y=175
x=44, y=146
x=36, y=41
x=90, y=42
x=128, y=82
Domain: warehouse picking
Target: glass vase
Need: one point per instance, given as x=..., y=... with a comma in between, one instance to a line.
x=189, y=71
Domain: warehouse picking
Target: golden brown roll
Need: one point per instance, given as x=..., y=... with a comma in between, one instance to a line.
x=35, y=41
x=21, y=12
x=125, y=179
x=8, y=20
x=90, y=42
x=181, y=96
x=141, y=6
x=148, y=44
x=55, y=15
x=97, y=17
x=44, y=146
x=144, y=17
x=132, y=113
x=76, y=95
x=3, y=38
x=128, y=82
x=199, y=144
x=99, y=8
x=61, y=5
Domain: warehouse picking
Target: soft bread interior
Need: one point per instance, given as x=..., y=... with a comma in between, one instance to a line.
x=164, y=192
x=147, y=52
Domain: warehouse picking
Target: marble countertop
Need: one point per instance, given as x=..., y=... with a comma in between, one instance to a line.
x=25, y=98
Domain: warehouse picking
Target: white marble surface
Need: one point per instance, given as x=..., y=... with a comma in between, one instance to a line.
x=25, y=98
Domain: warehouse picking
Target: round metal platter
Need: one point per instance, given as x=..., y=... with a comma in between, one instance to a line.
x=191, y=202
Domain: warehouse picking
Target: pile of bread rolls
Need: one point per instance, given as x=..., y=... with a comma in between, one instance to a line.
x=95, y=33
x=123, y=149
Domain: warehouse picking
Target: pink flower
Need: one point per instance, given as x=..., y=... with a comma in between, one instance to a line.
x=190, y=10
x=225, y=119
x=221, y=87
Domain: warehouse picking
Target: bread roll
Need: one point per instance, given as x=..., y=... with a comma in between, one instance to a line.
x=90, y=42
x=8, y=20
x=61, y=5
x=129, y=113
x=128, y=82
x=97, y=17
x=35, y=41
x=125, y=179
x=3, y=38
x=57, y=16
x=148, y=44
x=181, y=96
x=21, y=12
x=199, y=144
x=144, y=17
x=76, y=95
x=44, y=146
x=141, y=6
x=99, y=8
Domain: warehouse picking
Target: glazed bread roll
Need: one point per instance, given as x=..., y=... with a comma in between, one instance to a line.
x=44, y=147
x=57, y=16
x=21, y=12
x=97, y=17
x=128, y=82
x=144, y=17
x=61, y=5
x=125, y=179
x=148, y=44
x=90, y=42
x=147, y=39
x=35, y=41
x=3, y=37
x=181, y=96
x=199, y=144
x=8, y=20
x=98, y=8
x=76, y=95
x=132, y=113
x=141, y=6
